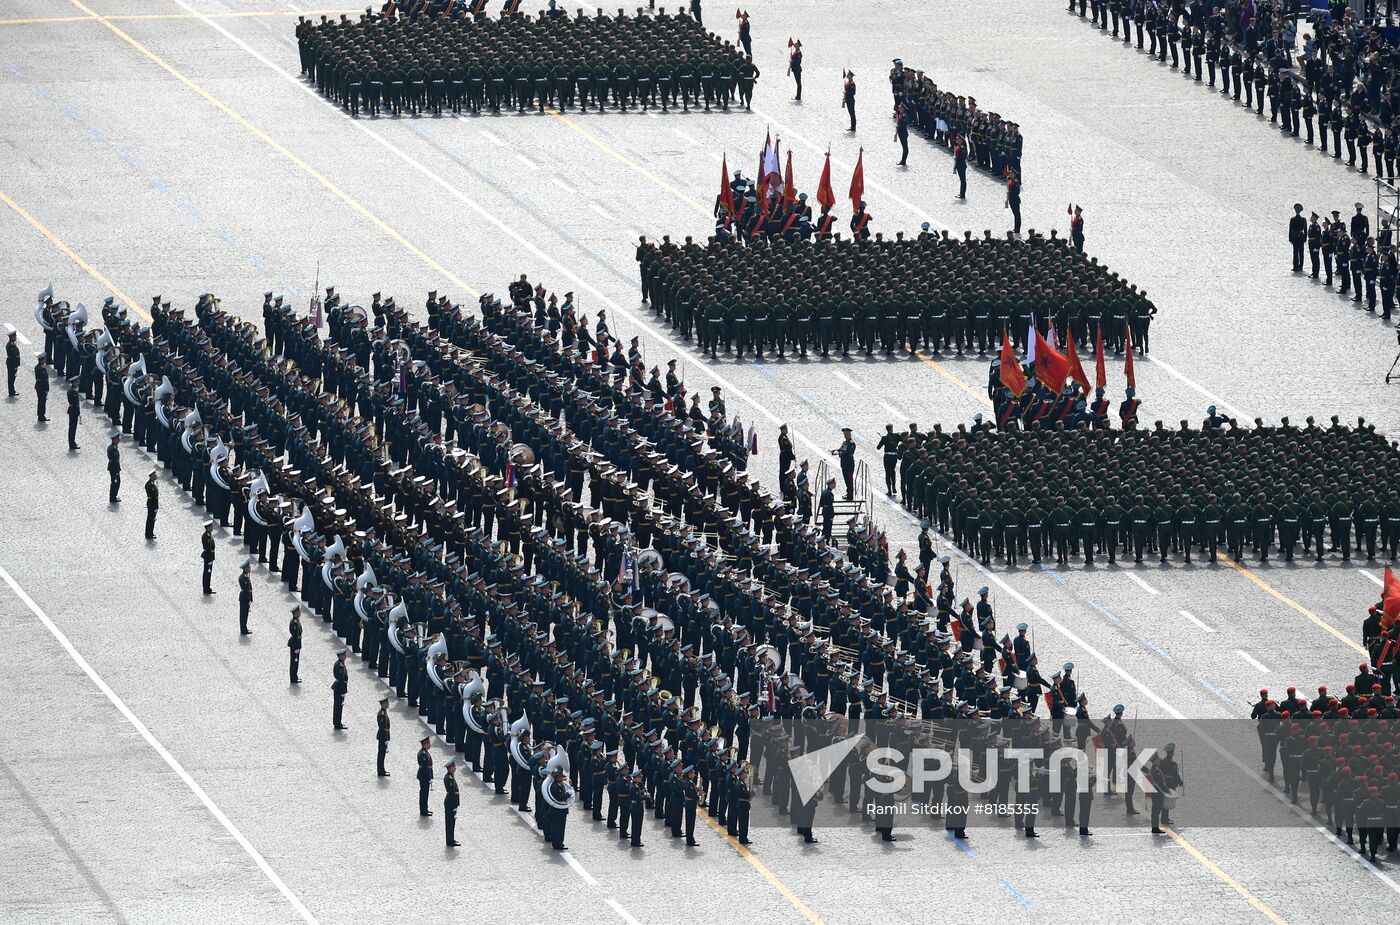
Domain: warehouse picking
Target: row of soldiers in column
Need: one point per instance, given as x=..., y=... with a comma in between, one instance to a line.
x=648, y=60
x=1341, y=754
x=993, y=143
x=928, y=292
x=1344, y=78
x=1015, y=493
x=1365, y=263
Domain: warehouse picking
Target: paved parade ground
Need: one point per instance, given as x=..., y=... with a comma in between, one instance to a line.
x=157, y=767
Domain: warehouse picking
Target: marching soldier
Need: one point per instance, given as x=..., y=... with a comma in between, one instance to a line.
x=245, y=597
x=382, y=736
x=340, y=683
x=114, y=468
x=890, y=444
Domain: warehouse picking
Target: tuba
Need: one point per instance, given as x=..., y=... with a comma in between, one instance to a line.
x=395, y=638
x=217, y=457
x=39, y=298
x=473, y=690
x=76, y=317
x=104, y=346
x=165, y=390
x=256, y=490
x=131, y=385
x=650, y=559
x=300, y=527
x=334, y=553
x=362, y=584
x=521, y=456
x=190, y=423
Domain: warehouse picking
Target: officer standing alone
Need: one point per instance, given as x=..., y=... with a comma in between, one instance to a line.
x=75, y=409
x=425, y=776
x=207, y=555
x=846, y=453
x=848, y=97
x=114, y=468
x=245, y=597
x=340, y=683
x=450, y=801
x=382, y=734
x=960, y=164
x=41, y=386
x=152, y=505
x=11, y=364
x=294, y=645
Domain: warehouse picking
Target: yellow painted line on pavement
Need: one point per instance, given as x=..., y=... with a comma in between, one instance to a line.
x=763, y=870
x=1234, y=884
x=281, y=149
x=947, y=374
x=72, y=255
x=1273, y=592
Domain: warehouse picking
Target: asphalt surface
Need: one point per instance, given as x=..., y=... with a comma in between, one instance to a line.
x=175, y=153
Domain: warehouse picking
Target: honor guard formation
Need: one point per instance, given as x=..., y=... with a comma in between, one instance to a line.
x=591, y=589
x=463, y=61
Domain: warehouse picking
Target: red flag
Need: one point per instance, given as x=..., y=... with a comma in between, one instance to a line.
x=726, y=195
x=858, y=182
x=1390, y=596
x=1100, y=377
x=1076, y=368
x=1051, y=367
x=789, y=188
x=1128, y=359
x=824, y=194
x=1011, y=375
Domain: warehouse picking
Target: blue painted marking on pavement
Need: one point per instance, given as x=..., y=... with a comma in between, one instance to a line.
x=1101, y=609
x=763, y=368
x=13, y=70
x=159, y=185
x=131, y=160
x=99, y=135
x=456, y=154
x=806, y=398
x=1213, y=689
x=488, y=177
x=526, y=203
x=292, y=288
x=39, y=89
x=256, y=261
x=68, y=111
x=962, y=845
x=227, y=238
x=1017, y=893
x=563, y=230
x=1155, y=648
x=191, y=211
x=1052, y=573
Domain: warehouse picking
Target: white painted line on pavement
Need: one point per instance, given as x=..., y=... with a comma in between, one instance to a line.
x=688, y=139
x=1128, y=677
x=1193, y=619
x=527, y=162
x=1251, y=660
x=892, y=409
x=600, y=210
x=578, y=869
x=1364, y=573
x=847, y=379
x=493, y=138
x=626, y=916
x=563, y=186
x=160, y=750
x=1144, y=585
x=19, y=336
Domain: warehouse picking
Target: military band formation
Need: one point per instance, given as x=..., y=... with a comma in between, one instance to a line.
x=432, y=491
x=463, y=63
